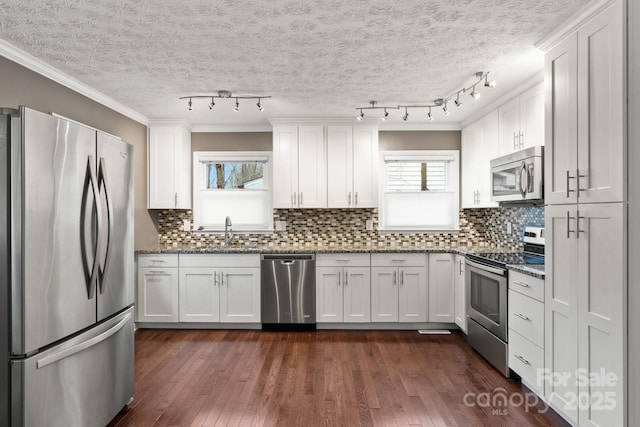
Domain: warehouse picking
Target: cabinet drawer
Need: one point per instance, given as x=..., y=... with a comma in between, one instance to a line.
x=220, y=260
x=398, y=260
x=526, y=316
x=157, y=260
x=343, y=260
x=526, y=359
x=527, y=285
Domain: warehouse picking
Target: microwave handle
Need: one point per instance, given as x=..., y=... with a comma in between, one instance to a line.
x=523, y=184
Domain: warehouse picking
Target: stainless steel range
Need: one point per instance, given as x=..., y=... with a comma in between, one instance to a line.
x=487, y=279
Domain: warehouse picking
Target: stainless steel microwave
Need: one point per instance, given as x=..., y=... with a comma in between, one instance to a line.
x=518, y=176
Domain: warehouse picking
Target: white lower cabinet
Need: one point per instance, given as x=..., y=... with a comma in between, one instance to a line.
x=157, y=288
x=441, y=288
x=343, y=288
x=460, y=294
x=199, y=295
x=398, y=288
x=240, y=295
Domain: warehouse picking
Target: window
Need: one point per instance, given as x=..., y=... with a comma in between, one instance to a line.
x=419, y=190
x=233, y=184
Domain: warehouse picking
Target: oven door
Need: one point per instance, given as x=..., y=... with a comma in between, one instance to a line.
x=487, y=296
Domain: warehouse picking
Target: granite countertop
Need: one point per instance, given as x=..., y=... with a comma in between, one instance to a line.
x=529, y=269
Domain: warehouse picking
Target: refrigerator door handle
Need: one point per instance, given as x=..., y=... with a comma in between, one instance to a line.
x=90, y=270
x=102, y=184
x=63, y=354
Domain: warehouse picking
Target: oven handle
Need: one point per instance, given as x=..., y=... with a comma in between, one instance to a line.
x=494, y=270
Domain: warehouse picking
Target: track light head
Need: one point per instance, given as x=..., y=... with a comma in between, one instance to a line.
x=475, y=95
x=212, y=104
x=237, y=107
x=487, y=82
x=361, y=115
x=457, y=101
x=406, y=114
x=445, y=109
x=386, y=115
x=190, y=105
x=260, y=107
x=429, y=115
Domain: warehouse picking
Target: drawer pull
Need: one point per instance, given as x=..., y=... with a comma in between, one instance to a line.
x=524, y=285
x=398, y=260
x=158, y=272
x=523, y=360
x=522, y=316
x=158, y=260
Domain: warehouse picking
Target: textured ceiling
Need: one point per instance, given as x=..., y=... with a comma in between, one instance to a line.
x=319, y=58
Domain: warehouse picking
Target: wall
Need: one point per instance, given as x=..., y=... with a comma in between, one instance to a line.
x=232, y=141
x=419, y=140
x=20, y=86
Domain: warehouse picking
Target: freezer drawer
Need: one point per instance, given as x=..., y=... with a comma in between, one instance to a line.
x=85, y=381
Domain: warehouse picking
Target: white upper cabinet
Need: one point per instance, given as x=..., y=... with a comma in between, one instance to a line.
x=480, y=144
x=169, y=167
x=585, y=158
x=352, y=161
x=521, y=121
x=300, y=168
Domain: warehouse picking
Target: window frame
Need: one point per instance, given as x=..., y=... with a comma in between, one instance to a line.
x=202, y=158
x=453, y=186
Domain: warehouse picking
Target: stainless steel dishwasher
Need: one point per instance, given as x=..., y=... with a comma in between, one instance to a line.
x=288, y=289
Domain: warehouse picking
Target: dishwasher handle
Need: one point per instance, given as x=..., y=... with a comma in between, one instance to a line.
x=287, y=258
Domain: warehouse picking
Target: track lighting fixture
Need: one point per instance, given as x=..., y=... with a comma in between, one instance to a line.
x=440, y=102
x=361, y=115
x=225, y=94
x=475, y=95
x=457, y=101
x=487, y=82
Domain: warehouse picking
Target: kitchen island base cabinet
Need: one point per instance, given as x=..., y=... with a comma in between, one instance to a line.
x=398, y=288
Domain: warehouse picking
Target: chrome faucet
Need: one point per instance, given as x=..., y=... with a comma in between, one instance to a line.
x=228, y=231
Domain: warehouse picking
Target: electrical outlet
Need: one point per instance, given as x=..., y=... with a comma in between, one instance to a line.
x=369, y=225
x=508, y=227
x=186, y=225
x=281, y=225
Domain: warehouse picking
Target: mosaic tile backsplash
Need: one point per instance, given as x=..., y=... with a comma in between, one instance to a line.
x=346, y=227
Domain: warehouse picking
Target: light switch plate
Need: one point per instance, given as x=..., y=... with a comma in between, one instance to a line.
x=508, y=227
x=369, y=225
x=281, y=225
x=186, y=225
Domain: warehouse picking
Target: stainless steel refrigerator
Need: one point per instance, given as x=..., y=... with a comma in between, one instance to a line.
x=66, y=272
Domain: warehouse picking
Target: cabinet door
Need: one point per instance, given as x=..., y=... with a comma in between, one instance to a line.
x=601, y=115
x=384, y=294
x=532, y=117
x=285, y=167
x=312, y=167
x=561, y=307
x=357, y=294
x=162, y=168
x=157, y=295
x=240, y=295
x=509, y=123
x=601, y=308
x=441, y=288
x=365, y=167
x=199, y=295
x=412, y=294
x=460, y=296
x=340, y=163
x=561, y=118
x=329, y=297
x=490, y=149
x=471, y=147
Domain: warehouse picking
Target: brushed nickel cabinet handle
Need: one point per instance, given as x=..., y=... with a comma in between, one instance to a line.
x=522, y=359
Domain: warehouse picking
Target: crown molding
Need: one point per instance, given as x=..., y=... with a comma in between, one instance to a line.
x=249, y=127
x=532, y=81
x=455, y=126
x=34, y=64
x=170, y=123
x=572, y=24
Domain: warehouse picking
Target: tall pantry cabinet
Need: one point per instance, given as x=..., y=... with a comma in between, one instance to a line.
x=585, y=218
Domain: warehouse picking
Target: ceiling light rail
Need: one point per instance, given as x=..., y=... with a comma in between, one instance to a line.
x=225, y=94
x=482, y=79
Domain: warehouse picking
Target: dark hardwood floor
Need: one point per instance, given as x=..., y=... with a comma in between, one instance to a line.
x=323, y=378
